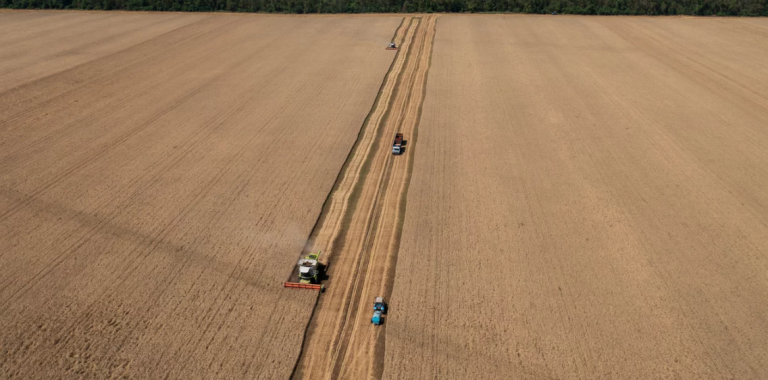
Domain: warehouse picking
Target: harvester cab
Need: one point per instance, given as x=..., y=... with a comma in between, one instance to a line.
x=392, y=46
x=308, y=269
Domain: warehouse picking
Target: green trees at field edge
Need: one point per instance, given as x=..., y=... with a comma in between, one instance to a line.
x=591, y=7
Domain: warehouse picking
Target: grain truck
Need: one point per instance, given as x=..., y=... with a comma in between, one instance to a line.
x=397, y=145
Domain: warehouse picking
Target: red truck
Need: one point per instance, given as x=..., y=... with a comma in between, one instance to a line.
x=397, y=146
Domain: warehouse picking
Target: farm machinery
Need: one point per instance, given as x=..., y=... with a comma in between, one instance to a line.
x=392, y=46
x=397, y=145
x=379, y=309
x=310, y=269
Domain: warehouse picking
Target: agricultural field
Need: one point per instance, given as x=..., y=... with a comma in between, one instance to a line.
x=159, y=175
x=588, y=200
x=576, y=198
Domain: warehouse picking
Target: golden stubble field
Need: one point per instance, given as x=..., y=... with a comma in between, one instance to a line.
x=587, y=196
x=158, y=175
x=588, y=201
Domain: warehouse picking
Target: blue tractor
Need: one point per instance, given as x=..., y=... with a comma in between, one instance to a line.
x=379, y=309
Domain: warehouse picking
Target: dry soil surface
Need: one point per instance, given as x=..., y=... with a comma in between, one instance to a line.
x=158, y=176
x=588, y=201
x=39, y=44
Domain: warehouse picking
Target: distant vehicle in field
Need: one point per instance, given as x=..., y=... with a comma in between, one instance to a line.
x=392, y=46
x=397, y=145
x=379, y=308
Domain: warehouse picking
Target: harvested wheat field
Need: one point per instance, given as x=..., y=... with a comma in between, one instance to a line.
x=588, y=201
x=578, y=197
x=159, y=174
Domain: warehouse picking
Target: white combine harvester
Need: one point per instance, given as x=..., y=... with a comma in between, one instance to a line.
x=309, y=273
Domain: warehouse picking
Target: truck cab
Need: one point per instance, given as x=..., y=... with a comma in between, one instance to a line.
x=380, y=305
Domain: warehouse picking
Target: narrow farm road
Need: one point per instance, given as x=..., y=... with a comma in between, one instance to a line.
x=359, y=231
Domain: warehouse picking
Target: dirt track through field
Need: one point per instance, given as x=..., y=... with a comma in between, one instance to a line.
x=588, y=202
x=360, y=226
x=154, y=190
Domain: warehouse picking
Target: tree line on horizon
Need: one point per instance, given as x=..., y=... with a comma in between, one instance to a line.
x=584, y=7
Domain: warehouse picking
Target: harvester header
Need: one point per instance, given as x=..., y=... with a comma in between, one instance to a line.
x=297, y=285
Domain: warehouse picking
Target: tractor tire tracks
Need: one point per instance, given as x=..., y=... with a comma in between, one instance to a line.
x=359, y=228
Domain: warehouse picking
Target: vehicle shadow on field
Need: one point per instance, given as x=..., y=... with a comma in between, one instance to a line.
x=403, y=147
x=323, y=276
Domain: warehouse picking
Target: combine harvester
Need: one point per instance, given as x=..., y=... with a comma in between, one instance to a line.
x=309, y=273
x=392, y=46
